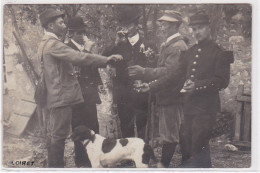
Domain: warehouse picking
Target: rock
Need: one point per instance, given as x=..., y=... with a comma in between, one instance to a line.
x=233, y=31
x=238, y=17
x=230, y=147
x=19, y=67
x=236, y=39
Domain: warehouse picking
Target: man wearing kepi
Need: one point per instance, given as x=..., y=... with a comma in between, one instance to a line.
x=130, y=44
x=63, y=89
x=168, y=96
x=84, y=113
x=207, y=72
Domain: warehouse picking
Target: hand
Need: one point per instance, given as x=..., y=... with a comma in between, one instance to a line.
x=114, y=58
x=143, y=88
x=136, y=71
x=189, y=86
x=121, y=36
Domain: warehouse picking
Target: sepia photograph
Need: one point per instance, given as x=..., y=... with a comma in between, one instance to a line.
x=127, y=86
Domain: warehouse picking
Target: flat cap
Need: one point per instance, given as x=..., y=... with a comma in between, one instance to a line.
x=171, y=16
x=199, y=18
x=48, y=15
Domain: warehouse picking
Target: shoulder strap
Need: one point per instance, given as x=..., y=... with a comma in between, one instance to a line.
x=42, y=51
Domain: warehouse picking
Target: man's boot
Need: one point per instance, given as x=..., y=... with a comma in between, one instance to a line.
x=81, y=157
x=168, y=150
x=49, y=153
x=57, y=150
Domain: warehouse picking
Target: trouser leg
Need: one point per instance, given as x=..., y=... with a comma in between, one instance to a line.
x=185, y=138
x=201, y=134
x=198, y=141
x=141, y=120
x=83, y=114
x=60, y=120
x=126, y=120
x=170, y=119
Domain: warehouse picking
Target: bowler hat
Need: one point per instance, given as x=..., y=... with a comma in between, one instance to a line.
x=127, y=14
x=199, y=18
x=76, y=24
x=171, y=16
x=48, y=15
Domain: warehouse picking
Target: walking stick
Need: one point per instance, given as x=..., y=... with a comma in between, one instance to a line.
x=147, y=128
x=135, y=127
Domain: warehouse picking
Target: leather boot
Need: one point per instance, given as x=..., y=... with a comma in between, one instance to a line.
x=48, y=145
x=168, y=150
x=57, y=154
x=81, y=157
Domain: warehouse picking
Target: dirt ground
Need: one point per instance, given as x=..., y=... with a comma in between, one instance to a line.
x=29, y=148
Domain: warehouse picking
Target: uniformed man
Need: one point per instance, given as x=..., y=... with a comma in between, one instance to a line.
x=63, y=89
x=130, y=44
x=84, y=113
x=207, y=72
x=166, y=81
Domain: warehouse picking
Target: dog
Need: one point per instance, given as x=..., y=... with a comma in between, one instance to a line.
x=104, y=152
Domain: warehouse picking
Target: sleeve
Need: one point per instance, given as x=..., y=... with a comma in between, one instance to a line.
x=171, y=62
x=61, y=51
x=220, y=79
x=174, y=77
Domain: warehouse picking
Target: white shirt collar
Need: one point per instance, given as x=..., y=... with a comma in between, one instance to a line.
x=50, y=34
x=172, y=37
x=133, y=40
x=79, y=46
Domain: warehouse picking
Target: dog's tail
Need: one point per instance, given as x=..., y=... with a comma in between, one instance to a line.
x=148, y=151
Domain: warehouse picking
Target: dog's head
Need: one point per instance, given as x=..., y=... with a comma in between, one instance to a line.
x=82, y=133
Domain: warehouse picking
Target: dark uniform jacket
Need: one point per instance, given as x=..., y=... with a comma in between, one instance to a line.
x=122, y=84
x=63, y=88
x=89, y=79
x=165, y=81
x=209, y=67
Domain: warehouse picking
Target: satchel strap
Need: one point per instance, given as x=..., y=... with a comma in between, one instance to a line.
x=41, y=63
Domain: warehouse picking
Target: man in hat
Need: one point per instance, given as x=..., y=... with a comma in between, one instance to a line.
x=165, y=85
x=63, y=89
x=207, y=68
x=130, y=44
x=84, y=113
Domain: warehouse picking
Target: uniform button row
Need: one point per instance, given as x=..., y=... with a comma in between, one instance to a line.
x=201, y=87
x=199, y=49
x=196, y=56
x=194, y=62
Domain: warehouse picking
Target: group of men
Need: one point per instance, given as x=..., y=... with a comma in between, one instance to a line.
x=186, y=83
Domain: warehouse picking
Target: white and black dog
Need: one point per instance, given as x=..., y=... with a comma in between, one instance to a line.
x=104, y=152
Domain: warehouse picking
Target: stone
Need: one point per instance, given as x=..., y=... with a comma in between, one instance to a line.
x=19, y=67
x=236, y=39
x=230, y=147
x=238, y=17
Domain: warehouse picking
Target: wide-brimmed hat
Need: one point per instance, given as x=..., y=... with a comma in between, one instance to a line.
x=76, y=24
x=199, y=18
x=127, y=14
x=48, y=15
x=171, y=16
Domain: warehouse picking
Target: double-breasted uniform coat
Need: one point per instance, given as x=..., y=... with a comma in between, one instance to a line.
x=208, y=66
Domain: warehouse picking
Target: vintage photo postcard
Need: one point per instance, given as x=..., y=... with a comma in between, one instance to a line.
x=144, y=86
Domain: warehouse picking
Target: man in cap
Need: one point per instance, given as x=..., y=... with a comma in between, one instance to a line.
x=207, y=69
x=130, y=44
x=166, y=81
x=63, y=89
x=84, y=113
